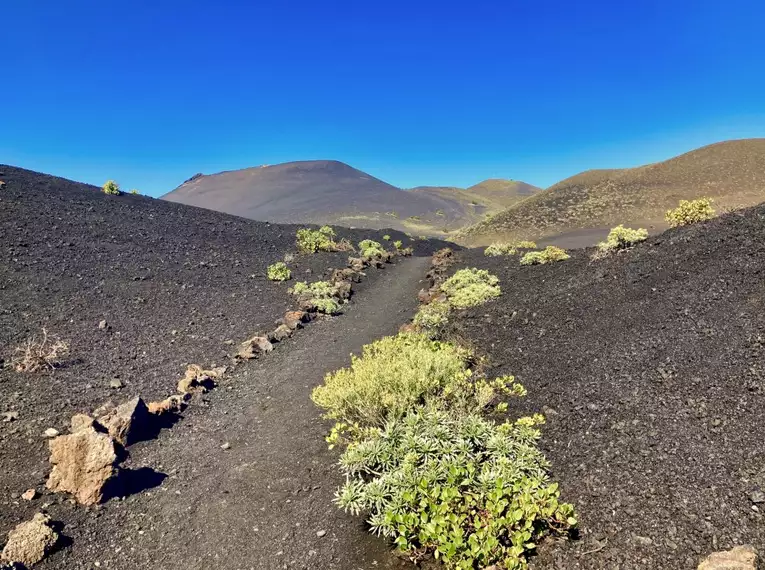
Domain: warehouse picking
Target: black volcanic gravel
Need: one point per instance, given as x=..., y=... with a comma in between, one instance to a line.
x=176, y=285
x=650, y=368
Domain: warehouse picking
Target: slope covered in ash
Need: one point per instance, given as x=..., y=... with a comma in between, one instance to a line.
x=174, y=284
x=650, y=368
x=732, y=173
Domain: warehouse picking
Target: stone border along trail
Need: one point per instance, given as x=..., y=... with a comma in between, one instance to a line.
x=251, y=481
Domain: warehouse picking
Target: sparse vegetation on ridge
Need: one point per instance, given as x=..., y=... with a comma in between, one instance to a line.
x=386, y=237
x=135, y=192
x=550, y=254
x=370, y=249
x=621, y=238
x=470, y=287
x=690, y=212
x=279, y=272
x=111, y=188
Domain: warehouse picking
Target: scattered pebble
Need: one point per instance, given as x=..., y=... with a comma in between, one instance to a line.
x=757, y=497
x=50, y=433
x=225, y=446
x=321, y=533
x=103, y=325
x=10, y=416
x=29, y=495
x=116, y=384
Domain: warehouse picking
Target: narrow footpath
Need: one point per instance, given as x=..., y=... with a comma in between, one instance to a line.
x=250, y=481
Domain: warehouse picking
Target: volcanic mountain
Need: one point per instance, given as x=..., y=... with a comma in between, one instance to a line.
x=327, y=191
x=579, y=210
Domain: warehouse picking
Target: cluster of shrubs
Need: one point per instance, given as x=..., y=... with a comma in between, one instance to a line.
x=690, y=212
x=111, y=188
x=550, y=254
x=319, y=295
x=500, y=248
x=428, y=467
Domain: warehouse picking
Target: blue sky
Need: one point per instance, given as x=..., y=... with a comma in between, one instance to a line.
x=151, y=92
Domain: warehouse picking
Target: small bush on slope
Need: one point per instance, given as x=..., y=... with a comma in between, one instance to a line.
x=550, y=254
x=370, y=249
x=311, y=241
x=470, y=287
x=622, y=238
x=433, y=317
x=462, y=488
x=279, y=272
x=320, y=294
x=690, y=212
x=386, y=237
x=498, y=248
x=111, y=188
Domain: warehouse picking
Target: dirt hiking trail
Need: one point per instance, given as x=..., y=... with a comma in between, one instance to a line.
x=250, y=481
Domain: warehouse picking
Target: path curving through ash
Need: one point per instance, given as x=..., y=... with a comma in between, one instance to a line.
x=266, y=501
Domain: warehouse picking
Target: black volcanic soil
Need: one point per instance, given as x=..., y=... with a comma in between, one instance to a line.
x=650, y=368
x=176, y=285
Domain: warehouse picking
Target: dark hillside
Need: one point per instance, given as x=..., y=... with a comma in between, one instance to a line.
x=650, y=368
x=175, y=284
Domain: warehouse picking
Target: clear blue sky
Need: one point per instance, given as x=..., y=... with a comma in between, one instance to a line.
x=416, y=92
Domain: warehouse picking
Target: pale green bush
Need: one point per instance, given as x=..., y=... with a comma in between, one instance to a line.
x=134, y=192
x=550, y=254
x=622, y=238
x=496, y=249
x=320, y=294
x=279, y=272
x=391, y=376
x=433, y=317
x=386, y=237
x=398, y=244
x=370, y=249
x=690, y=212
x=111, y=188
x=311, y=241
x=526, y=244
x=459, y=487
x=471, y=287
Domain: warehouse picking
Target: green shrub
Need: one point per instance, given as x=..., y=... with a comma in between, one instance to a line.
x=496, y=249
x=386, y=237
x=111, y=188
x=398, y=244
x=622, y=238
x=550, y=254
x=433, y=317
x=279, y=271
x=327, y=231
x=370, y=249
x=320, y=294
x=526, y=244
x=690, y=212
x=391, y=377
x=468, y=491
x=470, y=287
x=311, y=241
x=134, y=192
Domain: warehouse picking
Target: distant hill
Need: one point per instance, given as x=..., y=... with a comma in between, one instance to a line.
x=579, y=210
x=328, y=191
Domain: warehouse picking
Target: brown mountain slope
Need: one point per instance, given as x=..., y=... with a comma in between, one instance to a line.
x=503, y=192
x=325, y=191
x=579, y=210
